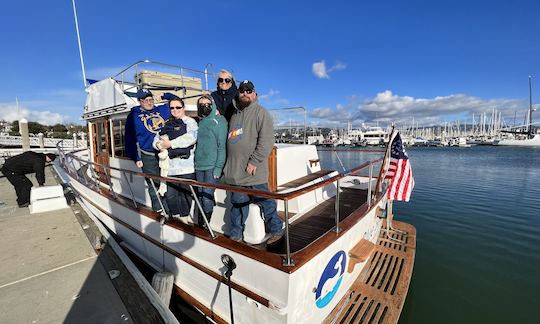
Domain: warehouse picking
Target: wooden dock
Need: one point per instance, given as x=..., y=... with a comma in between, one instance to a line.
x=379, y=293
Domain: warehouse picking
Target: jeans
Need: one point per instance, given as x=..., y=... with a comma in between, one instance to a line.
x=240, y=211
x=206, y=195
x=151, y=166
x=178, y=196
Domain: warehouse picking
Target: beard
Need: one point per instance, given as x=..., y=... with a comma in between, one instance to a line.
x=244, y=102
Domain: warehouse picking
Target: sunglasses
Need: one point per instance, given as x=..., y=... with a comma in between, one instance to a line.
x=246, y=91
x=147, y=100
x=221, y=80
x=207, y=105
x=176, y=107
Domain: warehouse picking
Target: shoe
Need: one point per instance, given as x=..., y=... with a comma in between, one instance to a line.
x=275, y=238
x=236, y=239
x=24, y=205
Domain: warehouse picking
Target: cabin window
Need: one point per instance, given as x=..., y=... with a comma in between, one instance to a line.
x=118, y=127
x=101, y=138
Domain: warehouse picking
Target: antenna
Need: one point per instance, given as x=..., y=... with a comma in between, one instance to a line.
x=79, y=42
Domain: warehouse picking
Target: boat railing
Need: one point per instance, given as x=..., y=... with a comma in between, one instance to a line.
x=135, y=68
x=74, y=164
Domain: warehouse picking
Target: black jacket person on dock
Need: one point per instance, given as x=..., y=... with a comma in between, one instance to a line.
x=15, y=168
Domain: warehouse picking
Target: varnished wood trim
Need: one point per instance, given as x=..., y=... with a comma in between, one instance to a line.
x=271, y=259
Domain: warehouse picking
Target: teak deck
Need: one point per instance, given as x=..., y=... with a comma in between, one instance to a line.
x=379, y=293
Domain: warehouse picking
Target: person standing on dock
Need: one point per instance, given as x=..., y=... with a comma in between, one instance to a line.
x=142, y=125
x=225, y=93
x=250, y=142
x=17, y=167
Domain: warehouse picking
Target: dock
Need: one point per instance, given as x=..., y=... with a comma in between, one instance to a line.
x=55, y=268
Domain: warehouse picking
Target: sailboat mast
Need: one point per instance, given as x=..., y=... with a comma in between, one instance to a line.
x=529, y=127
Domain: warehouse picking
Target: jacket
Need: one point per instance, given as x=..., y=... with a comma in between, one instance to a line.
x=26, y=163
x=210, y=152
x=250, y=139
x=174, y=128
x=224, y=100
x=141, y=127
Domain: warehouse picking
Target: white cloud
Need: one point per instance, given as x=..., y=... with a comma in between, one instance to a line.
x=320, y=71
x=9, y=112
x=273, y=98
x=387, y=107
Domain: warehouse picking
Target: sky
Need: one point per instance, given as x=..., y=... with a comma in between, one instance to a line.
x=426, y=62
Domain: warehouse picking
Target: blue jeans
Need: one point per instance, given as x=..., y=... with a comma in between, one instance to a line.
x=178, y=196
x=206, y=195
x=240, y=211
x=151, y=166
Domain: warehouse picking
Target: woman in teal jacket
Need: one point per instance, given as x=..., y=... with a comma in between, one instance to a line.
x=210, y=152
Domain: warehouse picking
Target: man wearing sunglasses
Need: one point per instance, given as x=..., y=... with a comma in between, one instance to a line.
x=225, y=93
x=250, y=142
x=142, y=125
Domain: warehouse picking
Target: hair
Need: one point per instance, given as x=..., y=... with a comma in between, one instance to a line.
x=178, y=99
x=205, y=96
x=51, y=156
x=226, y=72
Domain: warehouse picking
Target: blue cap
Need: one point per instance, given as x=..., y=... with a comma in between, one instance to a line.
x=143, y=93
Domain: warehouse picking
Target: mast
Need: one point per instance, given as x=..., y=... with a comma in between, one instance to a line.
x=79, y=42
x=529, y=126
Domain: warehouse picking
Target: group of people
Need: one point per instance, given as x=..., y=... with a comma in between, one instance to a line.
x=230, y=143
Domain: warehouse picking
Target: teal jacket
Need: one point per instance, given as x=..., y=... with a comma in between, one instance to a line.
x=210, y=152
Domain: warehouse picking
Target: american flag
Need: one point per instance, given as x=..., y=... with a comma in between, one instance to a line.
x=399, y=172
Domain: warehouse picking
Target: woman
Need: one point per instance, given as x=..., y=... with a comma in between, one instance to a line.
x=225, y=93
x=178, y=136
x=210, y=153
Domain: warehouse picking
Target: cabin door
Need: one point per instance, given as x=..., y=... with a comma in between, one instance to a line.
x=102, y=146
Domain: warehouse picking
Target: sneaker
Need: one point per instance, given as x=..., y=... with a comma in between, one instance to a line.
x=24, y=205
x=275, y=238
x=236, y=239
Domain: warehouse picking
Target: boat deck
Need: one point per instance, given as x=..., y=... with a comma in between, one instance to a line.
x=379, y=293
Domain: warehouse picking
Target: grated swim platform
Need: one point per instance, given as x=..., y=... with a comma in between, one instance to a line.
x=379, y=293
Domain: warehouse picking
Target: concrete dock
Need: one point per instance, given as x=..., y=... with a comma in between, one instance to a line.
x=51, y=273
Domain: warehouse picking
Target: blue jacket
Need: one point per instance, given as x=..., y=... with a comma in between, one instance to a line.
x=174, y=128
x=141, y=127
x=210, y=152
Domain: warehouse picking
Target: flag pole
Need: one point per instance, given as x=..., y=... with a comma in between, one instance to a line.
x=386, y=153
x=79, y=42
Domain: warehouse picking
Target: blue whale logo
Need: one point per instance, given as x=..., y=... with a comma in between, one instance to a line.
x=330, y=279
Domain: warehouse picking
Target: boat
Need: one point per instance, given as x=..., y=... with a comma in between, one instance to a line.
x=375, y=136
x=522, y=137
x=341, y=247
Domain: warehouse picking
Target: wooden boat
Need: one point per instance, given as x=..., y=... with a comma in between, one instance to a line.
x=340, y=259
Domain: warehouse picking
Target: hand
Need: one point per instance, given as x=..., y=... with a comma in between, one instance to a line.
x=250, y=169
x=139, y=164
x=164, y=144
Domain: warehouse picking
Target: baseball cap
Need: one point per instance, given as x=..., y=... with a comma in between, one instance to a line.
x=143, y=93
x=246, y=85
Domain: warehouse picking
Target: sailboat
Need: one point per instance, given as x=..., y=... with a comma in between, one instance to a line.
x=526, y=137
x=340, y=243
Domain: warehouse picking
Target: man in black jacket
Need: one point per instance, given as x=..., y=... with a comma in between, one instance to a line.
x=15, y=168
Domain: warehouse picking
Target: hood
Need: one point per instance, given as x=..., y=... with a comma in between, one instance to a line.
x=214, y=109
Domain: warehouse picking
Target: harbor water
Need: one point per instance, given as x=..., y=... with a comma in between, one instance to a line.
x=477, y=215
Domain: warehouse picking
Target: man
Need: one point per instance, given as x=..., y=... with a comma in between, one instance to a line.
x=15, y=168
x=142, y=125
x=250, y=141
x=225, y=93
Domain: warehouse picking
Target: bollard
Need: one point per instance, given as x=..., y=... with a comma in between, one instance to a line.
x=41, y=140
x=23, y=130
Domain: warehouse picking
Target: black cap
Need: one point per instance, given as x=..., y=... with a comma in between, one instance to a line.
x=246, y=85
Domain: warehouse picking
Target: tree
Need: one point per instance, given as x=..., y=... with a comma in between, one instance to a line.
x=59, y=128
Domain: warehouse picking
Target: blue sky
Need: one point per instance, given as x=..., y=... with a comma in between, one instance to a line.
x=355, y=61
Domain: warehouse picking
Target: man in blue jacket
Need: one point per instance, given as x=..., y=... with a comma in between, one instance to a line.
x=142, y=124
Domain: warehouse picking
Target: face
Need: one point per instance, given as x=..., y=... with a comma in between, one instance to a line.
x=177, y=109
x=204, y=107
x=247, y=97
x=222, y=81
x=147, y=103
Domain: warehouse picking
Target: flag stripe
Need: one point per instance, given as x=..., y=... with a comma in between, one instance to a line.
x=399, y=172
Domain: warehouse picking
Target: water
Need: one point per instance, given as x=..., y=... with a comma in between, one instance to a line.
x=477, y=215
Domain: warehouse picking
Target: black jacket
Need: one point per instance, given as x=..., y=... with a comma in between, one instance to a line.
x=25, y=163
x=174, y=128
x=223, y=100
